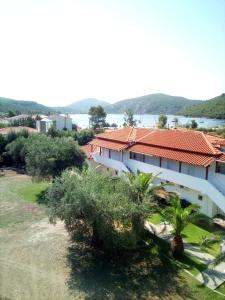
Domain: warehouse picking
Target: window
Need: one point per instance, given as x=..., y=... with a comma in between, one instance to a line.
x=200, y=197
x=116, y=172
x=132, y=155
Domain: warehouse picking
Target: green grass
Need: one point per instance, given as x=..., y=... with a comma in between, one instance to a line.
x=31, y=190
x=193, y=234
x=155, y=219
x=34, y=266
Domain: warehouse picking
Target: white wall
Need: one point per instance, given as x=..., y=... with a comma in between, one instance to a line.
x=62, y=123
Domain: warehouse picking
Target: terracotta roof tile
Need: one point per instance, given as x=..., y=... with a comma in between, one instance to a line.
x=109, y=144
x=127, y=134
x=222, y=157
x=187, y=157
x=186, y=140
x=193, y=147
x=89, y=149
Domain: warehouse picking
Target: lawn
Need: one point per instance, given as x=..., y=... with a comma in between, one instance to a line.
x=193, y=234
x=38, y=262
x=155, y=219
x=30, y=191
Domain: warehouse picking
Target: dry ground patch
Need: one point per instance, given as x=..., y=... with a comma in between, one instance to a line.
x=37, y=261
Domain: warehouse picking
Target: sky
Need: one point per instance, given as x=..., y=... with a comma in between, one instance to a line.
x=56, y=52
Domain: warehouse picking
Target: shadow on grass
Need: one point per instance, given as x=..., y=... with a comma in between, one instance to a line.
x=140, y=275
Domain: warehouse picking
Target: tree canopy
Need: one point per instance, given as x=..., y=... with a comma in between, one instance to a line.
x=47, y=157
x=162, y=121
x=97, y=117
x=129, y=118
x=99, y=208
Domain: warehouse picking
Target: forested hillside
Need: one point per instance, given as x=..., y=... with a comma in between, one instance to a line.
x=21, y=106
x=213, y=108
x=152, y=104
x=82, y=106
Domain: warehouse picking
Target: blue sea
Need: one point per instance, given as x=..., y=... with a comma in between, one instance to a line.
x=82, y=120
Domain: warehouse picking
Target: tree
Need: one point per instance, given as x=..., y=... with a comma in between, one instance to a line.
x=97, y=116
x=143, y=192
x=129, y=119
x=194, y=124
x=11, y=114
x=176, y=122
x=47, y=157
x=99, y=208
x=84, y=136
x=180, y=217
x=16, y=149
x=162, y=121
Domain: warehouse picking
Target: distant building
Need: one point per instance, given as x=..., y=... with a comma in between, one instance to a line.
x=56, y=121
x=11, y=120
x=192, y=161
x=61, y=122
x=43, y=125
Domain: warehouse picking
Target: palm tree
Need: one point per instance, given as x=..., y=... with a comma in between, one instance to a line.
x=142, y=191
x=180, y=217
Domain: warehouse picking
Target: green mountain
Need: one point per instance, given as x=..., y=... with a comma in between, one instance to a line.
x=82, y=106
x=213, y=108
x=22, y=106
x=152, y=104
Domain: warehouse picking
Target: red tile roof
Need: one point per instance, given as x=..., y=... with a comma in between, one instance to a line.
x=89, y=149
x=127, y=134
x=193, y=147
x=109, y=144
x=222, y=158
x=182, y=156
x=187, y=140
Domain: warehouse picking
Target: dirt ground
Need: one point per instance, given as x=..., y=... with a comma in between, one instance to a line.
x=32, y=251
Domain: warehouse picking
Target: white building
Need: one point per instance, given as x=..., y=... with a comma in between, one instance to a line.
x=61, y=122
x=193, y=161
x=43, y=125
x=56, y=121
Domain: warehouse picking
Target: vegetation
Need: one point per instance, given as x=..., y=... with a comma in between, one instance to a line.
x=28, y=122
x=194, y=124
x=215, y=131
x=129, y=119
x=213, y=108
x=47, y=157
x=97, y=117
x=31, y=192
x=180, y=217
x=38, y=248
x=162, y=121
x=10, y=150
x=20, y=106
x=82, y=106
x=82, y=136
x=151, y=104
x=107, y=211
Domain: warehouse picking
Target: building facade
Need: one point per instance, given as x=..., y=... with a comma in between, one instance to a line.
x=192, y=161
x=56, y=121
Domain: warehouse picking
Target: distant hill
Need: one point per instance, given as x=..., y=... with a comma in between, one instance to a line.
x=22, y=106
x=152, y=104
x=213, y=108
x=82, y=106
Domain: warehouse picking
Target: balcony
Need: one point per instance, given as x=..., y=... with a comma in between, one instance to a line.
x=194, y=183
x=110, y=163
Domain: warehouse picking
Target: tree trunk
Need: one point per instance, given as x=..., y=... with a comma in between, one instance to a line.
x=96, y=241
x=177, y=246
x=138, y=226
